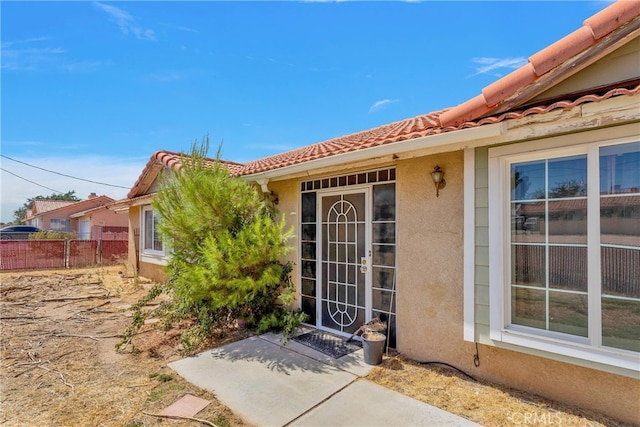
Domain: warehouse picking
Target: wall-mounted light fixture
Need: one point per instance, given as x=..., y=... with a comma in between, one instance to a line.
x=438, y=179
x=274, y=197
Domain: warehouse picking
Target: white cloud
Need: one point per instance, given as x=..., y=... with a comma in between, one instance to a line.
x=29, y=58
x=487, y=65
x=378, y=105
x=14, y=191
x=126, y=22
x=178, y=27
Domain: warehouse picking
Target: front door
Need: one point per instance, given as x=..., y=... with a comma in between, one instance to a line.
x=348, y=250
x=345, y=273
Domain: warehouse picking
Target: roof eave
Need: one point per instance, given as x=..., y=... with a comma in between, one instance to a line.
x=563, y=71
x=397, y=148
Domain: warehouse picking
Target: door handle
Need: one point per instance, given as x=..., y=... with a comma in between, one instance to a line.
x=363, y=265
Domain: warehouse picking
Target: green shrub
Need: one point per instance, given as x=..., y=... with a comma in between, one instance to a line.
x=226, y=248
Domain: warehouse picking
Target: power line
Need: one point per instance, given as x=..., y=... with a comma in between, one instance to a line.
x=32, y=182
x=62, y=174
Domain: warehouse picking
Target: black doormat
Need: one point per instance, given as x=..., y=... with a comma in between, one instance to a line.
x=328, y=344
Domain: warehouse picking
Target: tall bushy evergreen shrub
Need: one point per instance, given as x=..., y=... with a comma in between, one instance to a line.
x=225, y=248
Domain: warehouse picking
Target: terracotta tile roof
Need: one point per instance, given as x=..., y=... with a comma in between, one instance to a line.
x=502, y=100
x=41, y=206
x=409, y=129
x=594, y=29
x=487, y=107
x=172, y=160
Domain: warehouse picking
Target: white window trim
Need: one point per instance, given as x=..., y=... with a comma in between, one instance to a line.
x=469, y=301
x=499, y=177
x=149, y=255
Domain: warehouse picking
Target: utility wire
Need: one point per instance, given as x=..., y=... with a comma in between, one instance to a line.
x=39, y=185
x=62, y=174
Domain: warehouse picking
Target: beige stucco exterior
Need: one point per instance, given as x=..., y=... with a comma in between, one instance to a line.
x=149, y=270
x=443, y=299
x=430, y=294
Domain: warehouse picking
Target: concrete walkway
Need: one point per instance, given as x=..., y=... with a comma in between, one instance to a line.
x=267, y=384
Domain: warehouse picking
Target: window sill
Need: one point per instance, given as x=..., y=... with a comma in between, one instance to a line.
x=153, y=257
x=626, y=360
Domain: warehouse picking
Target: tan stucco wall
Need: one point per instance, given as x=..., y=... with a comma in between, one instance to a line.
x=430, y=296
x=288, y=195
x=430, y=301
x=134, y=236
x=430, y=263
x=147, y=270
x=153, y=272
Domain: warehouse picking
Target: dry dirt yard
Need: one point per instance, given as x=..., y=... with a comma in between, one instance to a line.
x=59, y=367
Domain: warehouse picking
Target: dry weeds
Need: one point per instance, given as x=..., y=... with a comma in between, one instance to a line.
x=485, y=403
x=58, y=365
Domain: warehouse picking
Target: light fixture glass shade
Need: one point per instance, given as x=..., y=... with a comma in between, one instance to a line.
x=438, y=179
x=437, y=176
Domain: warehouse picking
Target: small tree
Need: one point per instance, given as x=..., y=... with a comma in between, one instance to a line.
x=225, y=248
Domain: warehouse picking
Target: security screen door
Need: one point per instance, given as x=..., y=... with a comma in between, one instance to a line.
x=345, y=291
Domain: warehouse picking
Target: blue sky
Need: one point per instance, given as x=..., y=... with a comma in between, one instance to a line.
x=92, y=89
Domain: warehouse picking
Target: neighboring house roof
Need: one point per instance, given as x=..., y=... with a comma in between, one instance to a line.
x=71, y=207
x=514, y=96
x=563, y=205
x=89, y=211
x=41, y=206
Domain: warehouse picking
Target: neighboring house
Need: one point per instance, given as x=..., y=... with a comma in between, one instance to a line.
x=36, y=215
x=93, y=223
x=55, y=215
x=525, y=270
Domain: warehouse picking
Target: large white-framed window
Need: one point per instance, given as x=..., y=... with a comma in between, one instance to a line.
x=151, y=243
x=564, y=227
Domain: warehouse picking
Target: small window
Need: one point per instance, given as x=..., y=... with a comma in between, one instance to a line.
x=62, y=225
x=150, y=236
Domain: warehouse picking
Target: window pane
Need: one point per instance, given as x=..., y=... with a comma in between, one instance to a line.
x=308, y=269
x=527, y=180
x=384, y=255
x=309, y=287
x=620, y=320
x=384, y=202
x=621, y=272
x=309, y=207
x=528, y=222
x=383, y=300
x=384, y=232
x=308, y=232
x=309, y=250
x=620, y=220
x=619, y=169
x=528, y=307
x=568, y=177
x=568, y=221
x=148, y=229
x=528, y=265
x=568, y=267
x=568, y=313
x=309, y=308
x=383, y=277
x=157, y=241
